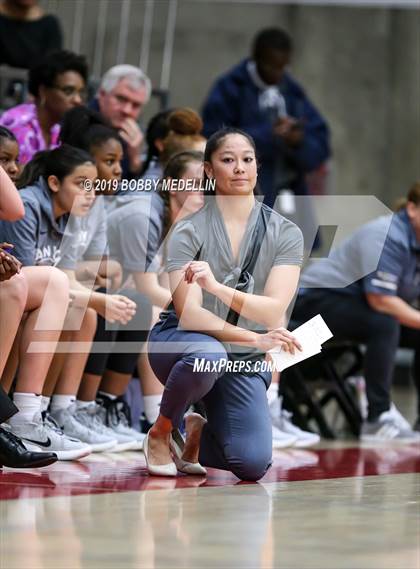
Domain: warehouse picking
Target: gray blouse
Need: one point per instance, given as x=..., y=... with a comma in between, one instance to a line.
x=205, y=232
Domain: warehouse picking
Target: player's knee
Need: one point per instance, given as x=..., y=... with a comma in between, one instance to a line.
x=251, y=462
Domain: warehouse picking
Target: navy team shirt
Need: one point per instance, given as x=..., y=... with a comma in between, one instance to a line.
x=397, y=271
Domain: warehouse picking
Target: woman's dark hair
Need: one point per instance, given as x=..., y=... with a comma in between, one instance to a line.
x=59, y=162
x=56, y=62
x=158, y=128
x=271, y=38
x=413, y=196
x=175, y=169
x=86, y=129
x=214, y=142
x=7, y=134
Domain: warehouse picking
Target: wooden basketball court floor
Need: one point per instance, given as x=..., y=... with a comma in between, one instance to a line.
x=342, y=505
x=339, y=506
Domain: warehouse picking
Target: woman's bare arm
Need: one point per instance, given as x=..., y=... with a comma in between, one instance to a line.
x=188, y=298
x=267, y=309
x=11, y=206
x=397, y=307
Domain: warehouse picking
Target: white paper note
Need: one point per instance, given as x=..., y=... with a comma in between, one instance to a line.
x=311, y=336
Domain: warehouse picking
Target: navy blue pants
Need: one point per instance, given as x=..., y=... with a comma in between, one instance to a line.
x=351, y=318
x=238, y=435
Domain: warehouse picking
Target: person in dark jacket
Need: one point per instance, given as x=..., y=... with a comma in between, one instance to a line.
x=27, y=33
x=260, y=97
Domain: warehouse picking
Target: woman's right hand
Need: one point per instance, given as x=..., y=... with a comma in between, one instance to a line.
x=279, y=338
x=116, y=308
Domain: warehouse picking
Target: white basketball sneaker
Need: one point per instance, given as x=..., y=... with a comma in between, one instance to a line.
x=67, y=421
x=282, y=420
x=42, y=435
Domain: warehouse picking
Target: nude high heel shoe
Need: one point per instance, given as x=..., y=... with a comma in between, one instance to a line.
x=158, y=469
x=177, y=447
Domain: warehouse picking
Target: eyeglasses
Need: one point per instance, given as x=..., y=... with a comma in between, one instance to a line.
x=70, y=92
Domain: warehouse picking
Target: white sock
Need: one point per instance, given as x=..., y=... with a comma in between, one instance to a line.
x=109, y=395
x=83, y=404
x=272, y=393
x=45, y=401
x=152, y=407
x=29, y=405
x=61, y=402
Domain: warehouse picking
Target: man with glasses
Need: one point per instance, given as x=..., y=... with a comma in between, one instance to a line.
x=57, y=83
x=123, y=93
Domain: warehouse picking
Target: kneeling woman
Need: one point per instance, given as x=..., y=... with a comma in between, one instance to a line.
x=233, y=242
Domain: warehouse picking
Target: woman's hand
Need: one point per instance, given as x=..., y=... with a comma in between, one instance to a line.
x=199, y=272
x=278, y=338
x=116, y=308
x=9, y=265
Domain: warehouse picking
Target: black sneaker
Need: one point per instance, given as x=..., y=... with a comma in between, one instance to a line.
x=145, y=426
x=116, y=416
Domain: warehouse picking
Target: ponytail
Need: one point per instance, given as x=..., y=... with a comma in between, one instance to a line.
x=60, y=162
x=175, y=169
x=158, y=128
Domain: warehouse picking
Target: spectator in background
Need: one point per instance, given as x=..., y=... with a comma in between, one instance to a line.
x=122, y=95
x=26, y=33
x=261, y=98
x=58, y=83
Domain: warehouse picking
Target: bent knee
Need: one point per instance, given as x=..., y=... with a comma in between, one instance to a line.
x=251, y=469
x=208, y=364
x=384, y=325
x=79, y=321
x=251, y=462
x=15, y=291
x=90, y=320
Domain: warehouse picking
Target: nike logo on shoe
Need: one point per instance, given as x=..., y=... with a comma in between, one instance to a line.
x=44, y=444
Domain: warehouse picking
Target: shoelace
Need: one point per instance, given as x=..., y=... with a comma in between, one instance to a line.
x=51, y=423
x=93, y=412
x=118, y=411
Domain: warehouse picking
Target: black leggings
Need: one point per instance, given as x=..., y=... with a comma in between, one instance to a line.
x=351, y=318
x=135, y=332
